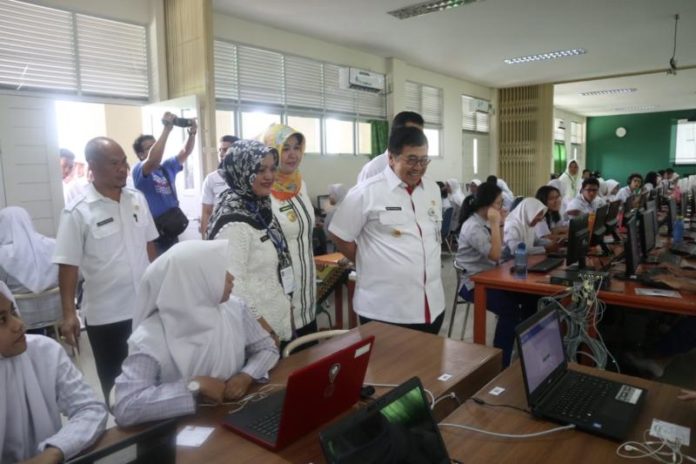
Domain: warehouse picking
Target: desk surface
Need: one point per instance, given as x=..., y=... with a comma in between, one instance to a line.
x=398, y=355
x=619, y=293
x=567, y=446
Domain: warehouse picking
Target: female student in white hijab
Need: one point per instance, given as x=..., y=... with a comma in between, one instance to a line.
x=519, y=227
x=456, y=196
x=570, y=180
x=26, y=265
x=190, y=339
x=611, y=187
x=39, y=383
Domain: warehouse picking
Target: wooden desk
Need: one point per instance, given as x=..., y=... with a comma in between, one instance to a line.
x=398, y=355
x=619, y=293
x=569, y=446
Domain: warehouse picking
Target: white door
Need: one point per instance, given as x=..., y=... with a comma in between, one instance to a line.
x=188, y=182
x=29, y=161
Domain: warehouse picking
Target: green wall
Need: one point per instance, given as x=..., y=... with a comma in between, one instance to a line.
x=646, y=146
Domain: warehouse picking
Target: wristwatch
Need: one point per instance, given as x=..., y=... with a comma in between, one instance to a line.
x=194, y=387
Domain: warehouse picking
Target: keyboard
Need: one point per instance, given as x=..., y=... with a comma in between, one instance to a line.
x=546, y=265
x=683, y=248
x=268, y=424
x=664, y=258
x=580, y=397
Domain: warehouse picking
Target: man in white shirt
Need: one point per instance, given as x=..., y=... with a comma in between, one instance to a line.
x=376, y=165
x=389, y=226
x=107, y=234
x=587, y=200
x=214, y=184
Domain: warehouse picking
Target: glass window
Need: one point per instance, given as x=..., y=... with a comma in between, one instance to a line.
x=433, y=141
x=311, y=129
x=255, y=123
x=364, y=138
x=224, y=123
x=339, y=137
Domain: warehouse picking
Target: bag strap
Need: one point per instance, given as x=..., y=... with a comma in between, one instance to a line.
x=169, y=181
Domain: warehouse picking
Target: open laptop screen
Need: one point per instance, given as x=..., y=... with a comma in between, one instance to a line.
x=541, y=349
x=399, y=428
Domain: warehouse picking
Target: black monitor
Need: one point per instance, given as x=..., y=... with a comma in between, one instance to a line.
x=651, y=204
x=612, y=218
x=642, y=200
x=599, y=229
x=324, y=204
x=648, y=230
x=578, y=240
x=632, y=247
x=629, y=207
x=692, y=201
x=684, y=205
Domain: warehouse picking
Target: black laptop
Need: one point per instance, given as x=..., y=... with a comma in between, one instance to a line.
x=396, y=428
x=596, y=405
x=156, y=443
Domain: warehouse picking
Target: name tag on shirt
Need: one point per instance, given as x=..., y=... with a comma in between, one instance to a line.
x=264, y=238
x=393, y=208
x=287, y=278
x=285, y=208
x=105, y=222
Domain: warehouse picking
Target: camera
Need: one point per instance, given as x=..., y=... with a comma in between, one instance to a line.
x=180, y=122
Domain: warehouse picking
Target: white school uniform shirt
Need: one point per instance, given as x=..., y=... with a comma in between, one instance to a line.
x=579, y=203
x=374, y=166
x=107, y=240
x=398, y=247
x=213, y=185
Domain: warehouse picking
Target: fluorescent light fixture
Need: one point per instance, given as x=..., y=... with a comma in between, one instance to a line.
x=432, y=6
x=637, y=108
x=546, y=56
x=595, y=93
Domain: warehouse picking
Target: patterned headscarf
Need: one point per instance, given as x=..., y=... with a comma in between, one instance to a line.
x=285, y=186
x=239, y=203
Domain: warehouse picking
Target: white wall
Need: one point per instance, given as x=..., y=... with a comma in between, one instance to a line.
x=319, y=171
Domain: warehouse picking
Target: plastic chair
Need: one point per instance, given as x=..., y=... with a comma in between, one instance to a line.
x=293, y=345
x=40, y=310
x=458, y=301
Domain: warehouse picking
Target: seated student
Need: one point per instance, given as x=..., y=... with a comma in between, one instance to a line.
x=652, y=181
x=552, y=226
x=633, y=187
x=190, y=338
x=519, y=228
x=467, y=208
x=586, y=201
x=480, y=249
x=508, y=196
x=611, y=188
x=39, y=383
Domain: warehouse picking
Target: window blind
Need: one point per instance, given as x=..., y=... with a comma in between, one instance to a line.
x=260, y=76
x=303, y=83
x=473, y=119
x=425, y=100
x=226, y=80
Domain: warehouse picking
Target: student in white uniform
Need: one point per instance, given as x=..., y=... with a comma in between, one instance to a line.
x=39, y=383
x=390, y=227
x=633, y=187
x=552, y=226
x=294, y=211
x=519, y=227
x=587, y=201
x=376, y=165
x=570, y=181
x=107, y=234
x=611, y=187
x=214, y=184
x=192, y=340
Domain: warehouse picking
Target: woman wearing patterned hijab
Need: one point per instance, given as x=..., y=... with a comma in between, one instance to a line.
x=260, y=260
x=293, y=209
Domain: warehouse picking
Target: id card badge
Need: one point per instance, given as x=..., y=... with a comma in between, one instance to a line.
x=287, y=278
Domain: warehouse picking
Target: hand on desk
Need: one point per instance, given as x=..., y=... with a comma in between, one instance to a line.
x=212, y=390
x=687, y=395
x=237, y=386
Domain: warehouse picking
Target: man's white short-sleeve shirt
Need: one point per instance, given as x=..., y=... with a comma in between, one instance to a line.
x=213, y=185
x=398, y=247
x=107, y=240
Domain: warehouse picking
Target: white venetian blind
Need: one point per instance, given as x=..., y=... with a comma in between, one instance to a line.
x=338, y=100
x=226, y=80
x=303, y=83
x=113, y=58
x=37, y=48
x=425, y=100
x=260, y=76
x=475, y=116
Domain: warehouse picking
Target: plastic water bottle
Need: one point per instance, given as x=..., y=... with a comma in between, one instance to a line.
x=521, y=261
x=678, y=230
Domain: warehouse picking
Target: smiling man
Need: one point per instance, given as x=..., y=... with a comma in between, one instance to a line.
x=389, y=225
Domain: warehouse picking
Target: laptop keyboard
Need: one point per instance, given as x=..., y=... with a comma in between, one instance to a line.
x=546, y=265
x=580, y=397
x=268, y=424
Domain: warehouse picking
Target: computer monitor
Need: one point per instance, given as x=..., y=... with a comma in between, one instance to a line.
x=324, y=204
x=599, y=228
x=642, y=200
x=648, y=230
x=632, y=247
x=692, y=202
x=578, y=240
x=610, y=224
x=684, y=205
x=651, y=204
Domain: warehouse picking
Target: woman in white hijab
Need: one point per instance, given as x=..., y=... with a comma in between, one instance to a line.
x=190, y=338
x=570, y=180
x=39, y=383
x=456, y=195
x=519, y=227
x=611, y=187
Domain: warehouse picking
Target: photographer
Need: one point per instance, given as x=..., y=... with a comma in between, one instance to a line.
x=156, y=179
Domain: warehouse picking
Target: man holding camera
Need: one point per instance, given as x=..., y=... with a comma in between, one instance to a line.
x=156, y=179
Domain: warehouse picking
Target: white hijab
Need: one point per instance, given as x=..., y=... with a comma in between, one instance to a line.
x=25, y=254
x=504, y=187
x=609, y=186
x=570, y=182
x=517, y=226
x=456, y=196
x=476, y=182
x=179, y=318
x=29, y=413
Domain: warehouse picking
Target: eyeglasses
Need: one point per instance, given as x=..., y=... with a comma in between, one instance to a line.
x=413, y=161
x=590, y=190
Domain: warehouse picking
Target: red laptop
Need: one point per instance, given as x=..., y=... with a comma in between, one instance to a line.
x=314, y=395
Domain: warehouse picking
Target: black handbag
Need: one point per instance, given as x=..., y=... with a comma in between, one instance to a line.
x=172, y=222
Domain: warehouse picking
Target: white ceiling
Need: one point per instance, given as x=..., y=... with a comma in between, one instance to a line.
x=470, y=42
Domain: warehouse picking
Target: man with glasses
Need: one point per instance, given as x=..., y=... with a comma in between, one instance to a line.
x=214, y=184
x=587, y=201
x=389, y=225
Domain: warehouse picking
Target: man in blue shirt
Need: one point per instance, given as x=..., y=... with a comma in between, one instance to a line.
x=156, y=178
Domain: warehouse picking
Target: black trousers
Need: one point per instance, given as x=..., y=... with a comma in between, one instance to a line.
x=110, y=348
x=432, y=328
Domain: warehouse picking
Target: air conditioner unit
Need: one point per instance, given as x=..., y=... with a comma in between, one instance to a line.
x=358, y=79
x=479, y=106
